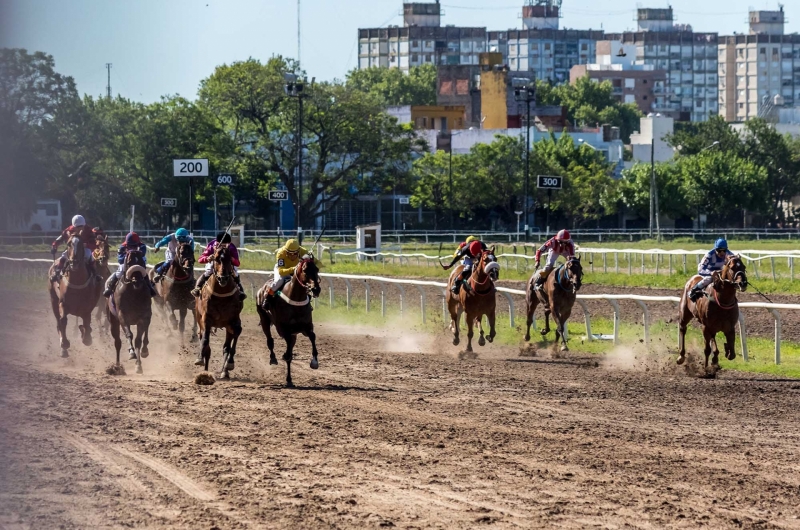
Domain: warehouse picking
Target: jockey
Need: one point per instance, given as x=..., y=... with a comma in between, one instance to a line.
x=131, y=244
x=171, y=241
x=89, y=245
x=560, y=245
x=712, y=262
x=467, y=251
x=206, y=257
x=286, y=259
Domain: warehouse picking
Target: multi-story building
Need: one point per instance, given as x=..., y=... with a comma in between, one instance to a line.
x=757, y=69
x=541, y=47
x=631, y=82
x=689, y=59
x=421, y=40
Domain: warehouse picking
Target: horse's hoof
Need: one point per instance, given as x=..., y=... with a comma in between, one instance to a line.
x=132, y=356
x=680, y=360
x=314, y=364
x=65, y=344
x=730, y=357
x=564, y=348
x=481, y=341
x=139, y=369
x=64, y=353
x=145, y=353
x=193, y=339
x=527, y=337
x=230, y=366
x=199, y=362
x=87, y=340
x=273, y=360
x=544, y=332
x=490, y=338
x=225, y=375
x=456, y=341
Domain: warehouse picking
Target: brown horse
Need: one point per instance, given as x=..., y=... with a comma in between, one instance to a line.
x=290, y=313
x=130, y=305
x=101, y=256
x=477, y=301
x=217, y=307
x=557, y=295
x=717, y=311
x=75, y=293
x=175, y=290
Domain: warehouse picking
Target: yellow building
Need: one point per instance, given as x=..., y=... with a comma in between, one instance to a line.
x=494, y=91
x=438, y=117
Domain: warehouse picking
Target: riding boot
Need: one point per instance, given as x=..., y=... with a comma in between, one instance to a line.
x=695, y=293
x=242, y=294
x=465, y=280
x=56, y=277
x=111, y=285
x=161, y=271
x=152, y=287
x=201, y=281
x=456, y=286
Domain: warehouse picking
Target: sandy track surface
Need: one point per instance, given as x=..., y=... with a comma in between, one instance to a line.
x=392, y=431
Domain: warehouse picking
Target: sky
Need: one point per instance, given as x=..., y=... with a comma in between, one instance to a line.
x=165, y=47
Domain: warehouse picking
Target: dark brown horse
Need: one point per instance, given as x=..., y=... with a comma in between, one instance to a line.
x=557, y=295
x=717, y=311
x=476, y=301
x=101, y=256
x=130, y=305
x=75, y=293
x=219, y=307
x=290, y=313
x=175, y=290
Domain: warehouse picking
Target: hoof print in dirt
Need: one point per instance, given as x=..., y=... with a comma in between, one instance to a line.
x=115, y=369
x=467, y=355
x=204, y=379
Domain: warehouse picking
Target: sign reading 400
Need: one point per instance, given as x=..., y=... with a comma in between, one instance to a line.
x=548, y=182
x=192, y=167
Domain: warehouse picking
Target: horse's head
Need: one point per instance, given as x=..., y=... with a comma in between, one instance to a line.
x=75, y=252
x=574, y=272
x=733, y=272
x=223, y=266
x=307, y=274
x=184, y=258
x=102, y=252
x=488, y=264
x=135, y=268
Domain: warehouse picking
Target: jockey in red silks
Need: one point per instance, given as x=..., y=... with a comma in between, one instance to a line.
x=89, y=245
x=560, y=245
x=467, y=252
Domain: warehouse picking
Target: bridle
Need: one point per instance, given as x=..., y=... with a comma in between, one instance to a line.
x=299, y=270
x=574, y=278
x=739, y=276
x=77, y=257
x=477, y=270
x=133, y=257
x=222, y=258
x=184, y=262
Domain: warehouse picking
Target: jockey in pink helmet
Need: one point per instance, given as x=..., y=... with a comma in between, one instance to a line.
x=560, y=245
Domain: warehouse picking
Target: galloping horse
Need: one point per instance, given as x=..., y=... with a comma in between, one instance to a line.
x=557, y=295
x=130, y=305
x=76, y=293
x=219, y=306
x=175, y=290
x=476, y=301
x=290, y=313
x=101, y=255
x=717, y=311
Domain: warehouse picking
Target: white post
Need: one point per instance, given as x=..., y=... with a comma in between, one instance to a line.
x=777, y=316
x=133, y=212
x=742, y=337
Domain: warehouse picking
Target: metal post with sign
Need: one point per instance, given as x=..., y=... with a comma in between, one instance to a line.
x=549, y=183
x=224, y=180
x=168, y=203
x=190, y=167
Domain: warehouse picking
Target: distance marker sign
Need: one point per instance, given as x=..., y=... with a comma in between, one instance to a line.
x=192, y=167
x=547, y=182
x=169, y=203
x=278, y=195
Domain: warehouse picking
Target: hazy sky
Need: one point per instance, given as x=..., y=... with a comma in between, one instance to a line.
x=167, y=46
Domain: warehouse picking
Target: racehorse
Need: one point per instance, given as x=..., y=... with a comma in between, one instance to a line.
x=101, y=255
x=175, y=290
x=290, y=313
x=717, y=311
x=219, y=306
x=130, y=305
x=476, y=299
x=557, y=295
x=75, y=293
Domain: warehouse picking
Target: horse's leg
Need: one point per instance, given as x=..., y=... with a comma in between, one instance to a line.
x=707, y=338
x=455, y=318
x=491, y=319
x=182, y=322
x=113, y=324
x=226, y=353
x=290, y=340
x=145, y=324
x=194, y=337
x=715, y=351
x=139, y=333
x=86, y=327
x=481, y=338
x=61, y=324
x=126, y=329
x=684, y=318
x=546, y=329
x=470, y=333
x=730, y=342
x=531, y=310
x=313, y=338
x=265, y=323
x=237, y=331
x=205, y=349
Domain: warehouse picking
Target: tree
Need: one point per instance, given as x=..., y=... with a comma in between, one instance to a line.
x=591, y=103
x=349, y=143
x=393, y=87
x=634, y=190
x=431, y=173
x=495, y=176
x=690, y=138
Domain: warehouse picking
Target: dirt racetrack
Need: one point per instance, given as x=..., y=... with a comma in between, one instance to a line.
x=393, y=430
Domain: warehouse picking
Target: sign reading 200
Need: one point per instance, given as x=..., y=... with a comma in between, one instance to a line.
x=193, y=167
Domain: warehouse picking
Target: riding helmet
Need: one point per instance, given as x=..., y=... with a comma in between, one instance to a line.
x=223, y=237
x=475, y=248
x=563, y=235
x=181, y=234
x=470, y=239
x=78, y=221
x=721, y=244
x=292, y=245
x=132, y=239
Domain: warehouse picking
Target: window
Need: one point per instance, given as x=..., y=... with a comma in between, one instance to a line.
x=584, y=47
x=415, y=44
x=644, y=81
x=50, y=209
x=698, y=103
x=547, y=46
x=446, y=88
x=414, y=57
x=644, y=97
x=741, y=105
x=428, y=58
x=630, y=83
x=763, y=51
x=740, y=53
x=444, y=123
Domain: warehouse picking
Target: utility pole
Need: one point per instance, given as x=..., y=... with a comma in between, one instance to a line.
x=108, y=86
x=294, y=88
x=525, y=91
x=298, y=31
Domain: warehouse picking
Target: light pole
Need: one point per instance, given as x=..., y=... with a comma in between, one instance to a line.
x=294, y=88
x=525, y=91
x=518, y=214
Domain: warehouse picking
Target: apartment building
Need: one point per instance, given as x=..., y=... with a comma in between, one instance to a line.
x=759, y=69
x=689, y=58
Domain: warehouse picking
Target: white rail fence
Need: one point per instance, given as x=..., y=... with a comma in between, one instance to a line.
x=23, y=271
